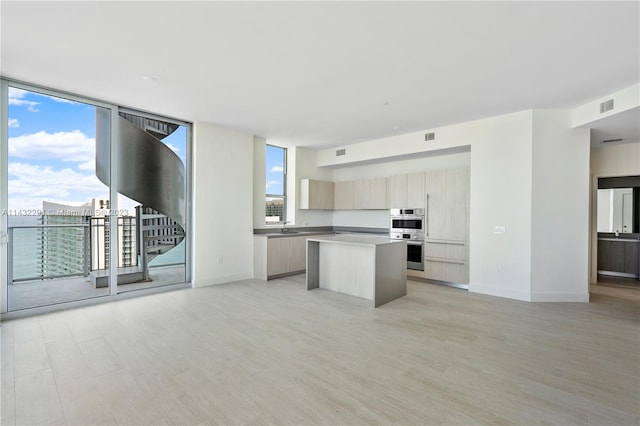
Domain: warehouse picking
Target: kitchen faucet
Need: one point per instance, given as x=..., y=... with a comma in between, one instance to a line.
x=284, y=229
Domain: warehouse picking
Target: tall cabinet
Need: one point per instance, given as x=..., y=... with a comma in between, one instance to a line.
x=447, y=225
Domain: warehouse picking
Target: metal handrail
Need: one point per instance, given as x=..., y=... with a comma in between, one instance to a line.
x=69, y=225
x=86, y=261
x=95, y=240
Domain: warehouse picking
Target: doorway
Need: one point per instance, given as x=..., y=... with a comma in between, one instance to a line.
x=618, y=231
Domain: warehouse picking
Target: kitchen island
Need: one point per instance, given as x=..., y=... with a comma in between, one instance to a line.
x=370, y=267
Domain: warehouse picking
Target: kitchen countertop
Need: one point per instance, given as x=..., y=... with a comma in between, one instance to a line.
x=278, y=234
x=353, y=239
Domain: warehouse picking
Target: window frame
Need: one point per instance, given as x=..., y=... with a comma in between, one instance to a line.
x=284, y=186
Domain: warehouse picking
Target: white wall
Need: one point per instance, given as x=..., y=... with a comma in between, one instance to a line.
x=616, y=160
x=501, y=157
x=624, y=100
x=259, y=180
x=222, y=205
x=560, y=209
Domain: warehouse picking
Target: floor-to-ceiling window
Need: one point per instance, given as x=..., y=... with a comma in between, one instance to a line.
x=152, y=183
x=52, y=196
x=72, y=229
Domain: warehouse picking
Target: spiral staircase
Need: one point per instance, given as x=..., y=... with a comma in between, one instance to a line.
x=150, y=173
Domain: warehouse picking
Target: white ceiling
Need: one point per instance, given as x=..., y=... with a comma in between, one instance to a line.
x=326, y=73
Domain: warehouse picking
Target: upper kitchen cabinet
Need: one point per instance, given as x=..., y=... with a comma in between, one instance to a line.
x=415, y=190
x=406, y=190
x=371, y=194
x=362, y=194
x=316, y=194
x=397, y=191
x=344, y=195
x=447, y=204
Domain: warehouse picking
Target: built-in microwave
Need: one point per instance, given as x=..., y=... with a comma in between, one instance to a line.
x=407, y=221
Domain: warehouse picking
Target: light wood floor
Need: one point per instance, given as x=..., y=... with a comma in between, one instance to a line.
x=252, y=352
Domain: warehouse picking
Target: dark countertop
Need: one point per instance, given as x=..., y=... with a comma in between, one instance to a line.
x=321, y=230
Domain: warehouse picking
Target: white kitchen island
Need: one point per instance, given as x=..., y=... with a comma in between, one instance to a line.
x=371, y=267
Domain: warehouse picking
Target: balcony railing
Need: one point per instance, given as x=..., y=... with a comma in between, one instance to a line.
x=47, y=251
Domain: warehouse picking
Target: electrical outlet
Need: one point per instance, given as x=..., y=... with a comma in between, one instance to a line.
x=498, y=230
x=219, y=259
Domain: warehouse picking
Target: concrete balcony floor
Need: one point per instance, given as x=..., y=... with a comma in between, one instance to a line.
x=31, y=294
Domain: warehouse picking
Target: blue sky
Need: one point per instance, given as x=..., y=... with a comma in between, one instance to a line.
x=52, y=151
x=274, y=167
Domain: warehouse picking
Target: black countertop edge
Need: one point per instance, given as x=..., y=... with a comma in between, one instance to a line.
x=620, y=235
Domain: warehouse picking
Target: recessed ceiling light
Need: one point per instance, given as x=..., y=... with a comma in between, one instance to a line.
x=396, y=127
x=386, y=104
x=149, y=78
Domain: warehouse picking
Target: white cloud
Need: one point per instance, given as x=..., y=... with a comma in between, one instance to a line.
x=59, y=100
x=63, y=146
x=17, y=93
x=14, y=123
x=16, y=98
x=277, y=169
x=30, y=184
x=272, y=183
x=21, y=102
x=88, y=165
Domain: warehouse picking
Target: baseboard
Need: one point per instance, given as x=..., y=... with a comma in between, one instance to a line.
x=209, y=281
x=500, y=292
x=560, y=297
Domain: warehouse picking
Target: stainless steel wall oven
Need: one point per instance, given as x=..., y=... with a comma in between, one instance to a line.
x=409, y=224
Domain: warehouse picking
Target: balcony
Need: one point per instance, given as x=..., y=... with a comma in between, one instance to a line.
x=51, y=263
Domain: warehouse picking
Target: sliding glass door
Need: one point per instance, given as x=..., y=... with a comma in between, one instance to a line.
x=75, y=227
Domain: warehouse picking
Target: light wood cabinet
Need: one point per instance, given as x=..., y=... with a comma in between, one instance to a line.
x=449, y=270
x=370, y=194
x=286, y=255
x=406, y=190
x=316, y=194
x=415, y=190
x=397, y=191
x=362, y=194
x=277, y=255
x=344, y=195
x=447, y=225
x=447, y=204
x=280, y=256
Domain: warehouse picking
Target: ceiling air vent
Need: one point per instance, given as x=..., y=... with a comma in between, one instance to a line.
x=606, y=106
x=612, y=140
x=340, y=152
x=430, y=136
